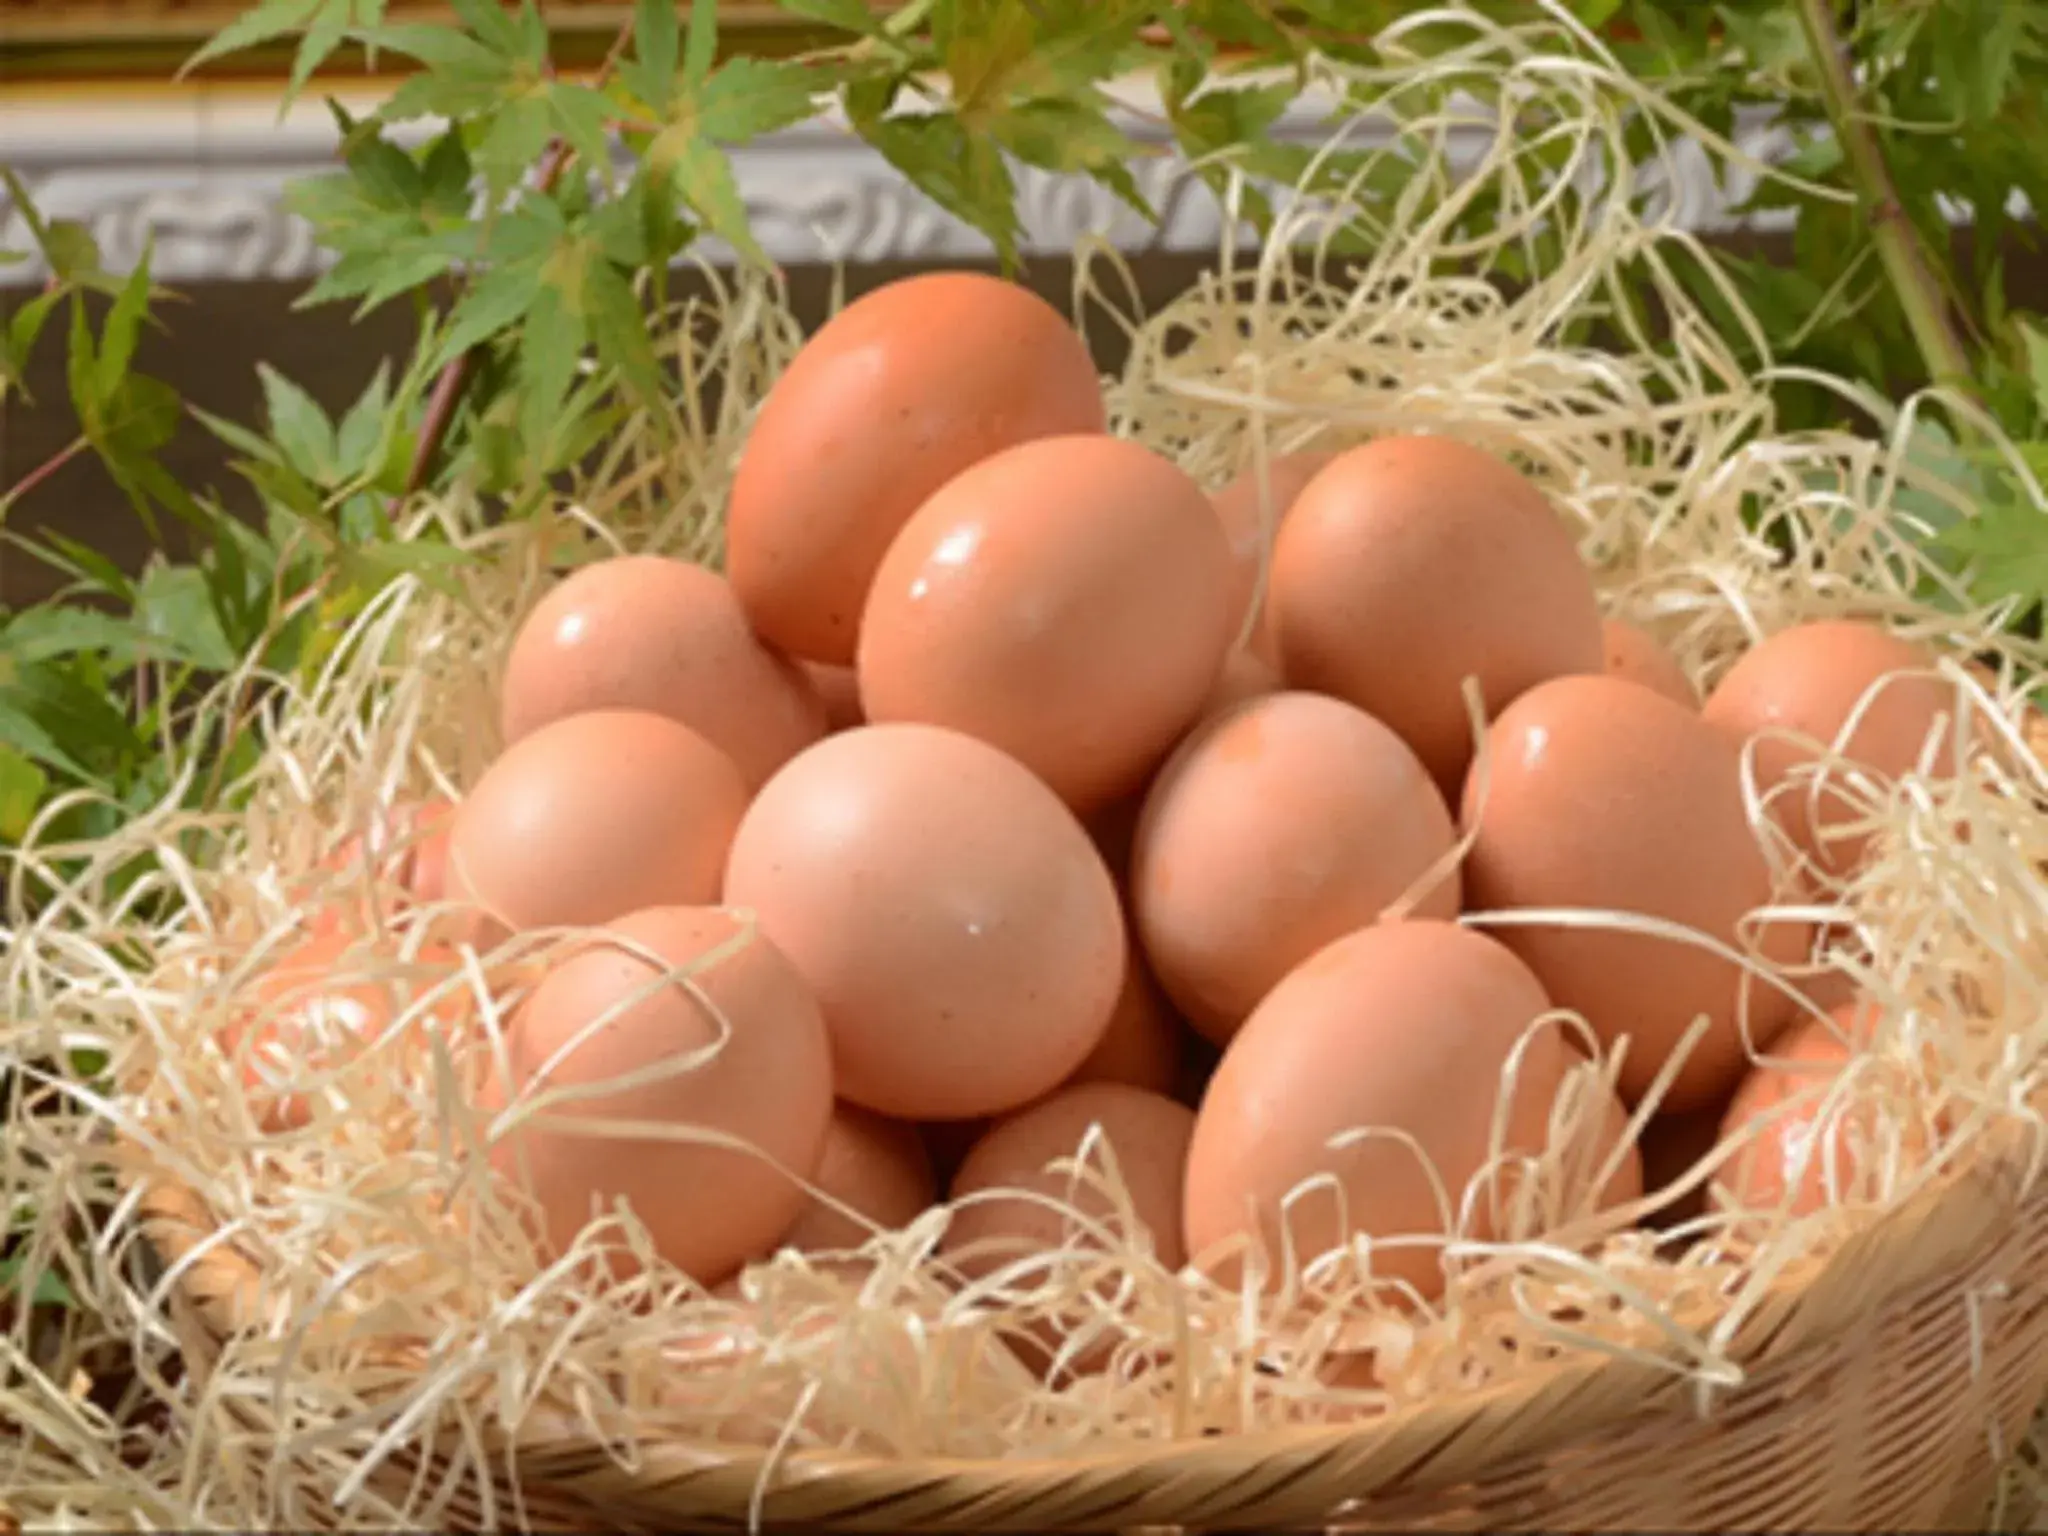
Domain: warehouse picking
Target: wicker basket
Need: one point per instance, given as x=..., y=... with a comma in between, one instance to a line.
x=1881, y=1392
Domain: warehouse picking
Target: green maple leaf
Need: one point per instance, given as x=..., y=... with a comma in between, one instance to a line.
x=697, y=109
x=2004, y=549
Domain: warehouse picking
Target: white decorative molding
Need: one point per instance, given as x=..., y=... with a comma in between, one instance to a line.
x=202, y=175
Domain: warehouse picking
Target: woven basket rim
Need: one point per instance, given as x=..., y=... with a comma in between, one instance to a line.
x=1934, y=1235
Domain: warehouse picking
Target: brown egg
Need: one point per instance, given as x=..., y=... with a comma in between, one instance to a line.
x=762, y=1078
x=1067, y=601
x=404, y=851
x=1634, y=656
x=316, y=1006
x=895, y=395
x=1402, y=1027
x=1783, y=1162
x=1147, y=1136
x=644, y=632
x=957, y=926
x=876, y=1166
x=1251, y=507
x=1811, y=680
x=838, y=688
x=434, y=829
x=1411, y=563
x=595, y=816
x=1143, y=1044
x=1606, y=796
x=1276, y=827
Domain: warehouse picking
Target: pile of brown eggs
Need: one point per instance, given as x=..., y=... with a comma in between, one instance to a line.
x=990, y=796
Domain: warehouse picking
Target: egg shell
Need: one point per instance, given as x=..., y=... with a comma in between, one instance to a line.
x=1147, y=1133
x=838, y=689
x=950, y=914
x=895, y=395
x=645, y=632
x=1608, y=797
x=876, y=1166
x=1811, y=680
x=1402, y=1027
x=1067, y=601
x=1147, y=1139
x=1411, y=563
x=316, y=1006
x=399, y=861
x=1251, y=507
x=1635, y=656
x=1143, y=1045
x=1277, y=826
x=763, y=1078
x=595, y=816
x=1782, y=1162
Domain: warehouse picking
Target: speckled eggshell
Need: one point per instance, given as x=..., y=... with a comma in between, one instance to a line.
x=1411, y=563
x=1810, y=681
x=595, y=816
x=1067, y=601
x=1251, y=506
x=1279, y=825
x=895, y=395
x=956, y=924
x=767, y=1084
x=648, y=633
x=1402, y=1027
x=876, y=1166
x=1606, y=796
x=1633, y=655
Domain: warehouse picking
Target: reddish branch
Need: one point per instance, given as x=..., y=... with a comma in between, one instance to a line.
x=453, y=383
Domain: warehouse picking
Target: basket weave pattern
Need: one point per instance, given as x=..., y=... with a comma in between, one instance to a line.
x=1880, y=1393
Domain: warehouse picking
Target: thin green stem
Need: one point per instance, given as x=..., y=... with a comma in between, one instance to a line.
x=1906, y=263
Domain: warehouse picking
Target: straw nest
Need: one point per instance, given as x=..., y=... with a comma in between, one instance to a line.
x=346, y=1327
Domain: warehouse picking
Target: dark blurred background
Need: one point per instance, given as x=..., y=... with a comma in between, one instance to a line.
x=218, y=332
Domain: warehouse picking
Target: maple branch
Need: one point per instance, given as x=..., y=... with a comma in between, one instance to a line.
x=1898, y=243
x=454, y=381
x=43, y=471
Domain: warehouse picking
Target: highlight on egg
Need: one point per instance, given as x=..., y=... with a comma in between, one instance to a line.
x=1067, y=600
x=665, y=637
x=898, y=393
